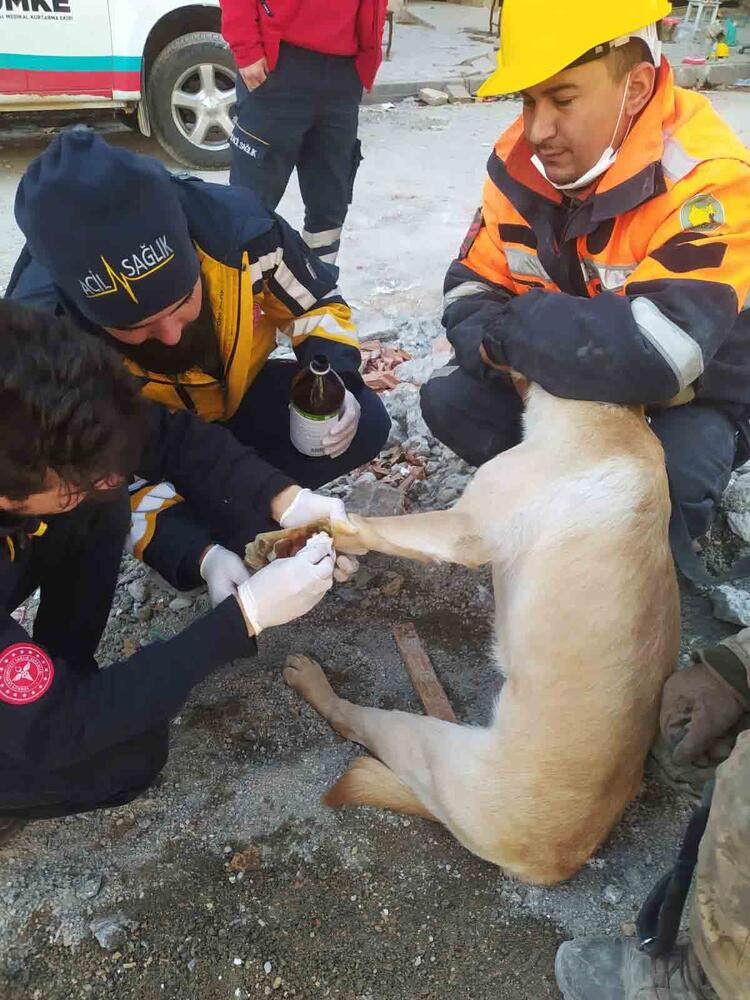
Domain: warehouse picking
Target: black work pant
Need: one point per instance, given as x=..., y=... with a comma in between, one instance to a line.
x=262, y=423
x=75, y=564
x=305, y=115
x=478, y=420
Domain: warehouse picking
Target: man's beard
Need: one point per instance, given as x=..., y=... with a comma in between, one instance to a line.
x=198, y=347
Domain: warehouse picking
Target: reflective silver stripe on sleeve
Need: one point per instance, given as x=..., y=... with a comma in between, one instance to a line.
x=612, y=276
x=676, y=346
x=294, y=288
x=675, y=161
x=523, y=262
x=465, y=289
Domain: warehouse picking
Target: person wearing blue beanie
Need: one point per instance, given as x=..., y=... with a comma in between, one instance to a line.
x=191, y=282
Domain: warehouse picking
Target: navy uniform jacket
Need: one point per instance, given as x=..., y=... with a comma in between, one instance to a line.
x=73, y=736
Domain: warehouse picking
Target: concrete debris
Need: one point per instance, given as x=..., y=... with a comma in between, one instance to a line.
x=613, y=894
x=375, y=500
x=90, y=886
x=458, y=94
x=433, y=98
x=180, y=604
x=111, y=931
x=731, y=604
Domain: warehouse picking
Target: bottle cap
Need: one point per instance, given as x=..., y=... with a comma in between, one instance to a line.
x=320, y=365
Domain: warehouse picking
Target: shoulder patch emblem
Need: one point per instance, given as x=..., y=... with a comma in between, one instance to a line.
x=476, y=224
x=702, y=214
x=26, y=673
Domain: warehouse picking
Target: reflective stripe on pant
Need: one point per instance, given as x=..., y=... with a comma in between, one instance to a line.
x=720, y=925
x=305, y=115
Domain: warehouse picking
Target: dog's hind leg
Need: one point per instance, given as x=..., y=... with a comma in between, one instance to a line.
x=421, y=752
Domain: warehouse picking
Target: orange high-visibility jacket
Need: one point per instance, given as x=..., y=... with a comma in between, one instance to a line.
x=637, y=294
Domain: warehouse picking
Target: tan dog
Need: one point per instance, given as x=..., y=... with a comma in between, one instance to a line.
x=574, y=521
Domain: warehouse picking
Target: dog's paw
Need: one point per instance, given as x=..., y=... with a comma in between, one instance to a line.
x=306, y=677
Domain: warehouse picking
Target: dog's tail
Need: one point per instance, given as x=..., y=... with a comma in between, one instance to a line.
x=368, y=782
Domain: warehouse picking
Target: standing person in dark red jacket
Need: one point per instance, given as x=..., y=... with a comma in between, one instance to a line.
x=302, y=67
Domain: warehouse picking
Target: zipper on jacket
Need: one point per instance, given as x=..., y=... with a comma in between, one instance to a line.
x=266, y=8
x=185, y=397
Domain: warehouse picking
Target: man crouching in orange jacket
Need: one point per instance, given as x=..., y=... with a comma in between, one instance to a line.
x=611, y=257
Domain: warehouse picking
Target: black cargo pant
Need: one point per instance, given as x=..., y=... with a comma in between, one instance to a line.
x=478, y=420
x=76, y=565
x=306, y=116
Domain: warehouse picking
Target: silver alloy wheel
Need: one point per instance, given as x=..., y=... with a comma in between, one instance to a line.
x=203, y=103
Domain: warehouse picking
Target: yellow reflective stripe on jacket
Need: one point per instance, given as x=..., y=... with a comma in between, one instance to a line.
x=145, y=505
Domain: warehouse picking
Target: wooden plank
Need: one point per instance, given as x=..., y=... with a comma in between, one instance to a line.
x=421, y=673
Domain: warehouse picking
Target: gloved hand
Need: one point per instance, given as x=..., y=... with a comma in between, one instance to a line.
x=288, y=588
x=308, y=506
x=223, y=571
x=698, y=708
x=341, y=434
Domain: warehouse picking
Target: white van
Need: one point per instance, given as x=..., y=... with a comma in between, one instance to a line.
x=162, y=63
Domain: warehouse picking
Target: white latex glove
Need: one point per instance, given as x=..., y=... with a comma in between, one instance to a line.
x=308, y=506
x=288, y=588
x=223, y=571
x=341, y=434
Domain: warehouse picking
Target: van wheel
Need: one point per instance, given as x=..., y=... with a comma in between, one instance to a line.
x=191, y=99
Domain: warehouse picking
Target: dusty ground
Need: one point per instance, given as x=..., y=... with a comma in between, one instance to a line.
x=352, y=906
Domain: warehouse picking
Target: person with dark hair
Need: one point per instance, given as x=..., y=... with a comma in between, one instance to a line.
x=610, y=259
x=73, y=428
x=191, y=282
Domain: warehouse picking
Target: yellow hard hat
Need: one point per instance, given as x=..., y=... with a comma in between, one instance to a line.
x=539, y=38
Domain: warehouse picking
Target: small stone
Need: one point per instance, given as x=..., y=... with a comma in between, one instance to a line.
x=612, y=894
x=110, y=931
x=238, y=962
x=731, y=604
x=277, y=983
x=242, y=860
x=89, y=887
x=180, y=604
x=417, y=961
x=433, y=98
x=267, y=968
x=143, y=613
x=191, y=965
x=375, y=500
x=138, y=591
x=458, y=94
x=393, y=587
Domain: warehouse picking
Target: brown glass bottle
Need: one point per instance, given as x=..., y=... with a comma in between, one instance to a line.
x=316, y=397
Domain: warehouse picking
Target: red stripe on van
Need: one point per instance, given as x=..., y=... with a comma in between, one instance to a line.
x=23, y=81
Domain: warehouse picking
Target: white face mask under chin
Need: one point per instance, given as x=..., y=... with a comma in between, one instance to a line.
x=604, y=162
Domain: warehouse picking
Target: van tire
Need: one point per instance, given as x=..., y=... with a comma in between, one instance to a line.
x=176, y=69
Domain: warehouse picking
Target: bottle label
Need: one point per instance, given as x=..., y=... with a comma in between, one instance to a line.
x=307, y=430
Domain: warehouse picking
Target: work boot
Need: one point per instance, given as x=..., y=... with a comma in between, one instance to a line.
x=601, y=968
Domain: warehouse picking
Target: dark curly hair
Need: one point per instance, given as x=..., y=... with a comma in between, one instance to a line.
x=67, y=405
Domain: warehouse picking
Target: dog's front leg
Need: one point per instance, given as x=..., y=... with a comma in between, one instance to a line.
x=437, y=536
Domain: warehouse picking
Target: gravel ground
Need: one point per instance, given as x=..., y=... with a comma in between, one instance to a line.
x=229, y=879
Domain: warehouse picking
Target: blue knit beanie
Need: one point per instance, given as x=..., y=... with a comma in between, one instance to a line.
x=108, y=226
